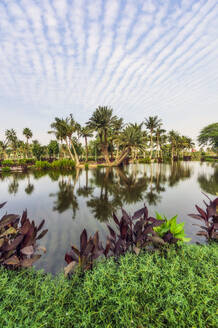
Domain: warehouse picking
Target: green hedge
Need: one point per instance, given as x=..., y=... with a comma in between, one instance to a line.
x=151, y=290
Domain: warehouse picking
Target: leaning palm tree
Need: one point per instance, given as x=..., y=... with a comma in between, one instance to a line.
x=101, y=121
x=132, y=138
x=86, y=133
x=151, y=124
x=28, y=134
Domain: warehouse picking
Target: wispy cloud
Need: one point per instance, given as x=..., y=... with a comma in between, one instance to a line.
x=142, y=57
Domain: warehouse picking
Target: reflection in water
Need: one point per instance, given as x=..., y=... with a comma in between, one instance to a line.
x=209, y=183
x=107, y=189
x=65, y=197
x=116, y=186
x=90, y=197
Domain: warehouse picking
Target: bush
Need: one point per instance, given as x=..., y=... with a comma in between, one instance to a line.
x=8, y=162
x=6, y=169
x=43, y=165
x=149, y=290
x=63, y=164
x=145, y=160
x=86, y=166
x=30, y=161
x=18, y=237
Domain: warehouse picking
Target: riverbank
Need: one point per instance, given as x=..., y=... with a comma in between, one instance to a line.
x=69, y=165
x=177, y=289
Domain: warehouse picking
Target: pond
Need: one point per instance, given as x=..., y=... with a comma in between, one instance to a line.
x=86, y=199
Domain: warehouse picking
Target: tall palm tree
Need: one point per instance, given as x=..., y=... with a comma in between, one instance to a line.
x=3, y=147
x=172, y=138
x=158, y=133
x=11, y=138
x=151, y=124
x=132, y=138
x=86, y=133
x=28, y=134
x=101, y=121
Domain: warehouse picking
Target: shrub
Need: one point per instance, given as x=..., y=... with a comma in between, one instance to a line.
x=18, y=238
x=170, y=231
x=145, y=160
x=209, y=218
x=8, y=162
x=133, y=233
x=86, y=166
x=30, y=161
x=6, y=169
x=63, y=164
x=43, y=165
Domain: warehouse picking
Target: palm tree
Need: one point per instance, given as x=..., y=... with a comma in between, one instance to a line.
x=132, y=138
x=158, y=133
x=86, y=133
x=11, y=138
x=172, y=138
x=28, y=134
x=64, y=130
x=101, y=121
x=151, y=124
x=3, y=147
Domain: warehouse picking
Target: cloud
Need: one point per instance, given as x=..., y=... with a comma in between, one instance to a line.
x=141, y=57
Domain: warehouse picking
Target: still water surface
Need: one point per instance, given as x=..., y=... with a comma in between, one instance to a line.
x=87, y=199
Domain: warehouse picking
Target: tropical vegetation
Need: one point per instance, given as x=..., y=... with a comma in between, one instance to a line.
x=106, y=139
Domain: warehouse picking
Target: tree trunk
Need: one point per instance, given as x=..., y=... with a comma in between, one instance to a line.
x=157, y=146
x=75, y=153
x=151, y=146
x=86, y=145
x=104, y=148
x=68, y=147
x=122, y=157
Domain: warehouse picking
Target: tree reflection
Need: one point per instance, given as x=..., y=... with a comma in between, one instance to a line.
x=104, y=205
x=13, y=186
x=209, y=184
x=179, y=171
x=65, y=197
x=85, y=191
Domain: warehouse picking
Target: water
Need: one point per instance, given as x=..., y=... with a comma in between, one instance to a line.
x=87, y=199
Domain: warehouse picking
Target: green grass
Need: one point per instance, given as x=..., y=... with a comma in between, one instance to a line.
x=152, y=291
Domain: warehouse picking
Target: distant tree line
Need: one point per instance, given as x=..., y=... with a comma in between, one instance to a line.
x=106, y=136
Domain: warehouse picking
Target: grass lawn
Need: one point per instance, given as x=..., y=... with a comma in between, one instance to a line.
x=149, y=291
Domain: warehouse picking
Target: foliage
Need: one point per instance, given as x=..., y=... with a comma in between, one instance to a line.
x=53, y=148
x=63, y=164
x=86, y=166
x=133, y=233
x=209, y=218
x=18, y=237
x=38, y=150
x=43, y=165
x=145, y=160
x=209, y=135
x=6, y=169
x=8, y=162
x=171, y=231
x=178, y=289
x=90, y=249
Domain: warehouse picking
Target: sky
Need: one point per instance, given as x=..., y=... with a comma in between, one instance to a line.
x=140, y=57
